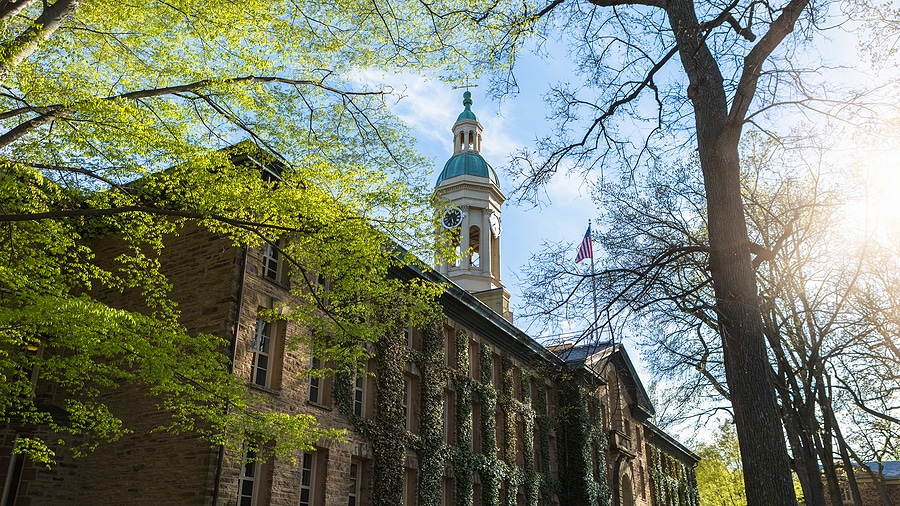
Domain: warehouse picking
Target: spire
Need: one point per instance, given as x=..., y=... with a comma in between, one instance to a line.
x=467, y=113
x=467, y=158
x=467, y=129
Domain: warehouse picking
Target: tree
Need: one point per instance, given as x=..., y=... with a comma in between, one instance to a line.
x=821, y=286
x=125, y=120
x=720, y=479
x=726, y=76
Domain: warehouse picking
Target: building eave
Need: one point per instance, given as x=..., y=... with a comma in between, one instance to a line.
x=466, y=309
x=657, y=437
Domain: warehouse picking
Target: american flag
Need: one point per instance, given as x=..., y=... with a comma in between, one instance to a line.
x=586, y=250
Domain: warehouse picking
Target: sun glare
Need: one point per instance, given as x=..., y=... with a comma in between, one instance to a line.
x=874, y=207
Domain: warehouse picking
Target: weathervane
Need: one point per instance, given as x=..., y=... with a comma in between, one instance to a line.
x=466, y=86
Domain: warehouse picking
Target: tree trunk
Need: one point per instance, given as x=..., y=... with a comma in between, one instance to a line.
x=799, y=415
x=767, y=473
x=17, y=49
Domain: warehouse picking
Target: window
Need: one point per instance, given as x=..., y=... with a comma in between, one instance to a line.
x=321, y=384
x=250, y=481
x=474, y=356
x=412, y=338
x=642, y=484
x=262, y=343
x=354, y=483
x=307, y=479
x=448, y=497
x=406, y=395
x=411, y=404
x=410, y=479
x=271, y=262
x=476, y=427
x=450, y=348
x=449, y=417
x=315, y=383
x=474, y=249
x=552, y=451
x=359, y=394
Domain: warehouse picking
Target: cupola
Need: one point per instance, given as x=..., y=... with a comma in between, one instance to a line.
x=471, y=189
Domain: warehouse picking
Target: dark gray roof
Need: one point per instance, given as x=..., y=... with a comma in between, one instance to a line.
x=891, y=469
x=575, y=356
x=465, y=308
x=668, y=444
x=588, y=356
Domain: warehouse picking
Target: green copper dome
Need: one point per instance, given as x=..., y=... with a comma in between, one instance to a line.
x=469, y=163
x=467, y=112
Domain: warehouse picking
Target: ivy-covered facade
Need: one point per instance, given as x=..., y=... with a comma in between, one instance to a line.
x=501, y=420
x=467, y=410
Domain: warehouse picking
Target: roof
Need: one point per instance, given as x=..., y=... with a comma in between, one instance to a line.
x=576, y=356
x=891, y=469
x=658, y=438
x=585, y=356
x=464, y=307
x=468, y=163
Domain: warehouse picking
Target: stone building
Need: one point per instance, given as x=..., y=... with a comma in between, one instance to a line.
x=471, y=411
x=878, y=483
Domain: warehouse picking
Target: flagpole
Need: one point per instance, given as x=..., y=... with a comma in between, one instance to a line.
x=593, y=286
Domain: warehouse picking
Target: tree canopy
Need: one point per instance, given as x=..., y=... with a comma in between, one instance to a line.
x=124, y=120
x=720, y=479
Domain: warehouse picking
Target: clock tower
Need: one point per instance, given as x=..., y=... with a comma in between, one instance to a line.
x=470, y=190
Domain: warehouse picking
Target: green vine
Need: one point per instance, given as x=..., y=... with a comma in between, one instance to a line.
x=674, y=483
x=431, y=448
x=576, y=444
x=504, y=468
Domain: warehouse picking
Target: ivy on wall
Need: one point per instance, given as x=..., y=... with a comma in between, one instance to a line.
x=431, y=449
x=388, y=443
x=582, y=447
x=673, y=482
x=513, y=465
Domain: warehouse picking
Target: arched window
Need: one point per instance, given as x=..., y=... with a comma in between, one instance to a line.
x=474, y=243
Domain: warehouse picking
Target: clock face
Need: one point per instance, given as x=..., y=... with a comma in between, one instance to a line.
x=452, y=218
x=495, y=225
